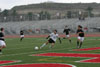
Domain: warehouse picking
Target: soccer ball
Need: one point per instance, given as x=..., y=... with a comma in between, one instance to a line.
x=36, y=48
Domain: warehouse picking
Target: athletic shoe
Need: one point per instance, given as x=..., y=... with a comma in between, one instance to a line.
x=78, y=47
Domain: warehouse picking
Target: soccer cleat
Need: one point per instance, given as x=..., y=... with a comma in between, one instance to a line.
x=78, y=46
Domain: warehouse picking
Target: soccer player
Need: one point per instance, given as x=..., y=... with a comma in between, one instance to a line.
x=2, y=40
x=52, y=39
x=80, y=34
x=67, y=32
x=21, y=35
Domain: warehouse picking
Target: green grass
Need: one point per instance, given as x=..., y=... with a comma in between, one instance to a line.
x=17, y=50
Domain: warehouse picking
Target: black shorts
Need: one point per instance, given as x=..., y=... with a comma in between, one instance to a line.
x=51, y=41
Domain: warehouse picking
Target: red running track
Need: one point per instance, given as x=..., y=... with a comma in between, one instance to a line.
x=5, y=62
x=95, y=57
x=38, y=36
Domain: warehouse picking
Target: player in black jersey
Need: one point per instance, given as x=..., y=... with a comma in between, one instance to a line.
x=2, y=40
x=80, y=34
x=21, y=35
x=67, y=32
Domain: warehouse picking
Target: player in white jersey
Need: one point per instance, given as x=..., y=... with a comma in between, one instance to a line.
x=2, y=40
x=52, y=39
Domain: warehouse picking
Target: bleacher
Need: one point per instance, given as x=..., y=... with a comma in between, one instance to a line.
x=46, y=26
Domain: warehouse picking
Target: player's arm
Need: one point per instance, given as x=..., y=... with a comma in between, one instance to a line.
x=64, y=31
x=48, y=37
x=2, y=36
x=59, y=39
x=77, y=32
x=69, y=31
x=81, y=32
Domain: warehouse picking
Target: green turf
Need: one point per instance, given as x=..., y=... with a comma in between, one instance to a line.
x=17, y=50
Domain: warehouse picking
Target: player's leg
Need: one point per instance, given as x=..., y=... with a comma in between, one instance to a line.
x=21, y=37
x=2, y=45
x=44, y=44
x=68, y=37
x=0, y=49
x=81, y=42
x=69, y=40
x=52, y=45
x=78, y=42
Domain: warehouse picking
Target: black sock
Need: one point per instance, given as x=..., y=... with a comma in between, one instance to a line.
x=70, y=41
x=77, y=43
x=21, y=39
x=80, y=44
x=0, y=50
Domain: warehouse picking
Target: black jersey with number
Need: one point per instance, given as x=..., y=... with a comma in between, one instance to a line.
x=21, y=33
x=66, y=31
x=81, y=33
x=1, y=36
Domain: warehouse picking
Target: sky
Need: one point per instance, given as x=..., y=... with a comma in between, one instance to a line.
x=8, y=4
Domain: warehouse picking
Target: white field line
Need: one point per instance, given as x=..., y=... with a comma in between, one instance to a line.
x=82, y=61
x=33, y=52
x=40, y=63
x=16, y=48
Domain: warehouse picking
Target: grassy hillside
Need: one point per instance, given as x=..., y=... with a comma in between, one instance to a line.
x=58, y=6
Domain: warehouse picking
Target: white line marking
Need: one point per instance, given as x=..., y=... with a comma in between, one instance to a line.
x=32, y=52
x=17, y=48
x=41, y=63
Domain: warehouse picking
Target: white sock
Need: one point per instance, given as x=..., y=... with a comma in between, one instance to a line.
x=43, y=45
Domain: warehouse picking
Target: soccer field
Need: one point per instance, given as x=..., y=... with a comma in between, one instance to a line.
x=23, y=52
